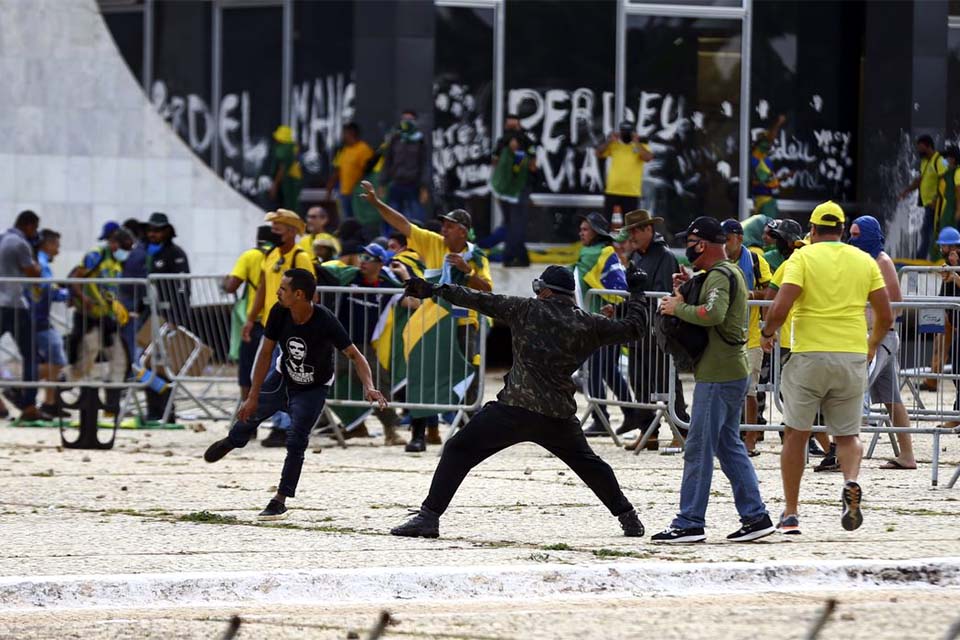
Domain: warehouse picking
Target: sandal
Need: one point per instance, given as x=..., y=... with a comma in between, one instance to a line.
x=892, y=463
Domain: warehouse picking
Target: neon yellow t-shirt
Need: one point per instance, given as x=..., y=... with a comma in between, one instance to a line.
x=434, y=251
x=786, y=334
x=625, y=175
x=837, y=279
x=930, y=171
x=274, y=264
x=753, y=333
x=249, y=269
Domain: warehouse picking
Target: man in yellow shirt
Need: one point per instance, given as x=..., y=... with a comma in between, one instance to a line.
x=285, y=225
x=932, y=167
x=756, y=274
x=827, y=285
x=317, y=222
x=247, y=271
x=449, y=259
x=628, y=156
x=348, y=167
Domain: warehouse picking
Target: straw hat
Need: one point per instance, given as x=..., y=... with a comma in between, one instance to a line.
x=287, y=217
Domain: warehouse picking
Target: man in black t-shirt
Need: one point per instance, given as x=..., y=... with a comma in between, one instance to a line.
x=299, y=380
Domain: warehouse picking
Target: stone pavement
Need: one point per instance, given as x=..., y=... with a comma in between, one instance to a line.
x=139, y=509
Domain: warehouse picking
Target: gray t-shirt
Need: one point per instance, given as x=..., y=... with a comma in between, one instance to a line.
x=15, y=255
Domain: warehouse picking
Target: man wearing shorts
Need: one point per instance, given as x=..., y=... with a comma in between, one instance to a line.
x=866, y=235
x=827, y=285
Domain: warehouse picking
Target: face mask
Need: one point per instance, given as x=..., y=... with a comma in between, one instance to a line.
x=625, y=136
x=121, y=254
x=692, y=254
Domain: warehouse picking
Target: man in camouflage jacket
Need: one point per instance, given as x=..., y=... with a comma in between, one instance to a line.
x=552, y=337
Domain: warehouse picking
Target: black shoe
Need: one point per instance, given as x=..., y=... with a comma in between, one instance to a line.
x=631, y=525
x=416, y=445
x=814, y=449
x=829, y=463
x=275, y=510
x=277, y=438
x=595, y=430
x=852, y=495
x=672, y=535
x=54, y=410
x=634, y=422
x=425, y=524
x=759, y=528
x=217, y=450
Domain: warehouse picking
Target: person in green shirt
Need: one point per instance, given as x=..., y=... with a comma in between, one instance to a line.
x=285, y=170
x=947, y=200
x=721, y=376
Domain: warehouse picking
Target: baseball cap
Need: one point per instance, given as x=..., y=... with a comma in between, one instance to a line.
x=827, y=214
x=732, y=226
x=108, y=228
x=377, y=252
x=706, y=228
x=556, y=278
x=458, y=216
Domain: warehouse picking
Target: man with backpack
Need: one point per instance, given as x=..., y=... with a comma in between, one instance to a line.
x=717, y=301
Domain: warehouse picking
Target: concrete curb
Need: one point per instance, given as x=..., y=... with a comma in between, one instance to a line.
x=347, y=586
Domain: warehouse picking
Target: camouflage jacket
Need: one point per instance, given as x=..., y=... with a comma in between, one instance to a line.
x=551, y=339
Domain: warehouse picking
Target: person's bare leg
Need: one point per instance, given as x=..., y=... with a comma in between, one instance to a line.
x=244, y=392
x=750, y=437
x=849, y=454
x=792, y=461
x=46, y=372
x=823, y=440
x=905, y=441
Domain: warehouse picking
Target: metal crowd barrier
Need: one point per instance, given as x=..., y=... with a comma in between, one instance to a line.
x=75, y=333
x=426, y=357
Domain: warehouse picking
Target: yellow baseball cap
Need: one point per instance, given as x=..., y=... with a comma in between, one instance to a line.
x=827, y=214
x=283, y=134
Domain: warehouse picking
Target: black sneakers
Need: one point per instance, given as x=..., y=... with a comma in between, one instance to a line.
x=631, y=525
x=217, y=450
x=852, y=518
x=277, y=438
x=418, y=444
x=425, y=524
x=673, y=535
x=759, y=528
x=275, y=510
x=830, y=461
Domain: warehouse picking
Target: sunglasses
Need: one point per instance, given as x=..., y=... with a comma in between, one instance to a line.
x=367, y=258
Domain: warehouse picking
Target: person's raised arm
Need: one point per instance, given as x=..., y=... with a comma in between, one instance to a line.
x=642, y=151
x=370, y=391
x=258, y=302
x=390, y=215
x=601, y=151
x=710, y=313
x=505, y=308
x=261, y=366
x=882, y=319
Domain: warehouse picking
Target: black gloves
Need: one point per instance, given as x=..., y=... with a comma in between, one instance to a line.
x=636, y=279
x=419, y=288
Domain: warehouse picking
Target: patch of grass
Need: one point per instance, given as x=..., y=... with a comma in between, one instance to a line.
x=43, y=474
x=901, y=511
x=206, y=516
x=560, y=546
x=614, y=553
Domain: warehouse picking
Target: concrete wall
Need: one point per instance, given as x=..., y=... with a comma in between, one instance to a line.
x=80, y=144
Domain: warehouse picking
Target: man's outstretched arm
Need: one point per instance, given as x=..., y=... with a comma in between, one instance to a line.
x=496, y=306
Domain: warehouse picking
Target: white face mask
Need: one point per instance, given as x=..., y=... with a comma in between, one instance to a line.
x=121, y=254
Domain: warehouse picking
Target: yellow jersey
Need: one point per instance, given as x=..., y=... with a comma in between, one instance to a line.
x=351, y=161
x=625, y=175
x=274, y=264
x=249, y=269
x=931, y=169
x=837, y=280
x=763, y=278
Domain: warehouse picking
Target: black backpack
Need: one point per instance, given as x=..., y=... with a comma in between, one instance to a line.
x=686, y=342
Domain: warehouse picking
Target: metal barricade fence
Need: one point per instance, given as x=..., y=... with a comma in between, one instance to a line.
x=923, y=282
x=635, y=375
x=427, y=357
x=73, y=333
x=198, y=326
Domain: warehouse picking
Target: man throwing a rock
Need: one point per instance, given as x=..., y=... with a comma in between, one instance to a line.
x=551, y=339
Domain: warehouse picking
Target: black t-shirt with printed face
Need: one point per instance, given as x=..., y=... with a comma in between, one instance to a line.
x=306, y=349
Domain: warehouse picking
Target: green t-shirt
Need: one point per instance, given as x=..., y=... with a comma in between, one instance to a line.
x=721, y=362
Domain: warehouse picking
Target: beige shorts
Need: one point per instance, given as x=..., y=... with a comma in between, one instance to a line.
x=755, y=360
x=833, y=383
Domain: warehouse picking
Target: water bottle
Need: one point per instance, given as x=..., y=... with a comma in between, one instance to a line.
x=153, y=381
x=616, y=221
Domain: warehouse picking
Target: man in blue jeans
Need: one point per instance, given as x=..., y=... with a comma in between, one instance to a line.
x=306, y=334
x=721, y=374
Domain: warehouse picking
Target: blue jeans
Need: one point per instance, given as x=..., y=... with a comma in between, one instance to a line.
x=604, y=367
x=926, y=234
x=715, y=431
x=405, y=198
x=19, y=325
x=515, y=218
x=346, y=205
x=304, y=407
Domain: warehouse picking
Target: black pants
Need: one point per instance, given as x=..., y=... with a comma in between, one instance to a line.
x=626, y=204
x=649, y=373
x=498, y=426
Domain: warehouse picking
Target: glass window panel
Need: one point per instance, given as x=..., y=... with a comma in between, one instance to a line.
x=251, y=100
x=559, y=74
x=806, y=66
x=181, y=70
x=126, y=27
x=687, y=3
x=683, y=94
x=953, y=86
x=323, y=95
x=463, y=111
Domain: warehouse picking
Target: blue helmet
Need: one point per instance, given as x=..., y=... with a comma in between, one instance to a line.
x=949, y=235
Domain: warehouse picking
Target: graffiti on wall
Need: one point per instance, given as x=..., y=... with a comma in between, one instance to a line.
x=461, y=141
x=319, y=108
